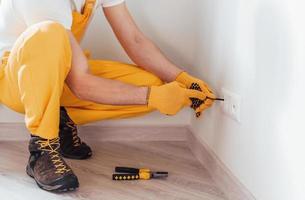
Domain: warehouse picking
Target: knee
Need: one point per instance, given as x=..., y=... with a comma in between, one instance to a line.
x=48, y=44
x=51, y=28
x=47, y=37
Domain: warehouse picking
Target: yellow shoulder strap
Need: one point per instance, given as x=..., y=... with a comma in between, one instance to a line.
x=89, y=5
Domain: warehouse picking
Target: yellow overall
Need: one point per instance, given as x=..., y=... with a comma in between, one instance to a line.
x=32, y=78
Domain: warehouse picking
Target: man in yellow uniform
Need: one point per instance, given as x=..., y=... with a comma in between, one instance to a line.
x=45, y=75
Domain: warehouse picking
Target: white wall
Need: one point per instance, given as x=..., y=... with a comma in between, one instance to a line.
x=256, y=49
x=252, y=47
x=162, y=21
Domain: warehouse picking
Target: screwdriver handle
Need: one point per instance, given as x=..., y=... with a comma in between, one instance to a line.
x=125, y=177
x=127, y=170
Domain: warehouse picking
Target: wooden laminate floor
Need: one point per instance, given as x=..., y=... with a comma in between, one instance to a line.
x=187, y=179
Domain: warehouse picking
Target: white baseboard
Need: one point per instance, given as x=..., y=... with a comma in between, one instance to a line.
x=13, y=132
x=223, y=177
x=18, y=132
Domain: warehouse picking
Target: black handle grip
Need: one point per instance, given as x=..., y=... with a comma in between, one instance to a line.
x=127, y=170
x=125, y=177
x=196, y=103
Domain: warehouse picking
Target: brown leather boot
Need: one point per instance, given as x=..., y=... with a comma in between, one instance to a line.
x=48, y=168
x=71, y=145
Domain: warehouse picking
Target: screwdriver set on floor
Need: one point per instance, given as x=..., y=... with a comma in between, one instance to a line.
x=128, y=174
x=196, y=103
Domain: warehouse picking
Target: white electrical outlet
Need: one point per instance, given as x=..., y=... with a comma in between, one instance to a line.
x=231, y=105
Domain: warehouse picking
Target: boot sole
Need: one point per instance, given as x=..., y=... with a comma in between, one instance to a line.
x=58, y=186
x=89, y=155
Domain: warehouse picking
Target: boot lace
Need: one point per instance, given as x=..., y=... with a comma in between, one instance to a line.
x=76, y=140
x=52, y=147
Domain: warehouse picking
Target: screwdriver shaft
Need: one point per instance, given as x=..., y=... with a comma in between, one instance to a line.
x=216, y=99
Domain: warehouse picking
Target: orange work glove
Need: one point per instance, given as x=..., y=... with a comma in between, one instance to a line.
x=170, y=98
x=188, y=80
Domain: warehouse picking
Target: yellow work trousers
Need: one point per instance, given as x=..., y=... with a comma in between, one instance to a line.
x=33, y=82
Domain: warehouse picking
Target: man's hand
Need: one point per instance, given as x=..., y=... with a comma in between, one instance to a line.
x=187, y=80
x=171, y=98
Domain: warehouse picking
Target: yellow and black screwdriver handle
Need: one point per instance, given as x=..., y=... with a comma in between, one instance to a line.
x=127, y=173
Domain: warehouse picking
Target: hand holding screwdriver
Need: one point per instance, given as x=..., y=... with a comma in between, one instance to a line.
x=197, y=103
x=170, y=98
x=199, y=85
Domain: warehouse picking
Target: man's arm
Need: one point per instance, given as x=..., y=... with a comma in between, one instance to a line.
x=168, y=99
x=100, y=90
x=138, y=47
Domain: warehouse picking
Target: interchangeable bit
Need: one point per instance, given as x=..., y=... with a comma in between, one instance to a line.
x=159, y=174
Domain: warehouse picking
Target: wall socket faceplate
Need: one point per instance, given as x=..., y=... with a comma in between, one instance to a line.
x=231, y=105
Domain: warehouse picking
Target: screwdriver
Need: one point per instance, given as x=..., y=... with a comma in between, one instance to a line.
x=128, y=173
x=217, y=99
